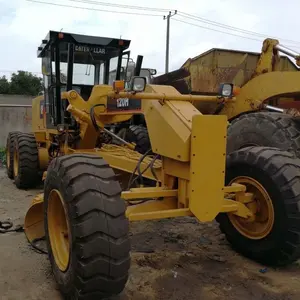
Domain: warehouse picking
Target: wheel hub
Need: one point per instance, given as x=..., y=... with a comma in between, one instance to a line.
x=262, y=208
x=16, y=163
x=59, y=231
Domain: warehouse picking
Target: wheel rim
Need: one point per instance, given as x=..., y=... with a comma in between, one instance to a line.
x=58, y=229
x=262, y=223
x=16, y=163
x=7, y=158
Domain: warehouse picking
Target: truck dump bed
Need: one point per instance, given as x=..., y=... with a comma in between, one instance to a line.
x=205, y=72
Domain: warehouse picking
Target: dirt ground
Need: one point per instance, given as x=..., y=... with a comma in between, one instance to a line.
x=171, y=259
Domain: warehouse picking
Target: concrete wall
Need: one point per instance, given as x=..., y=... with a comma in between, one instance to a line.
x=15, y=99
x=14, y=118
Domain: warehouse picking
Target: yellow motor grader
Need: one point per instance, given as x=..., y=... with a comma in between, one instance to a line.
x=93, y=188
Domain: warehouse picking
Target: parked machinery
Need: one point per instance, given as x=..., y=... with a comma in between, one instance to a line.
x=267, y=93
x=96, y=60
x=93, y=188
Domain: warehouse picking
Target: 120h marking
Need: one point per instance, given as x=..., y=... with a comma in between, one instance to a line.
x=122, y=102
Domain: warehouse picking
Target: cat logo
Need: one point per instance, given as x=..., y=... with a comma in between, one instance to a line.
x=95, y=50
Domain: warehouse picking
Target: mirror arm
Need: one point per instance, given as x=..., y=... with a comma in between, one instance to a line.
x=138, y=67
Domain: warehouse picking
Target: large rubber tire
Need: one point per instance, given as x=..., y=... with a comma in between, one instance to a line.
x=99, y=239
x=264, y=129
x=138, y=134
x=10, y=146
x=28, y=174
x=278, y=172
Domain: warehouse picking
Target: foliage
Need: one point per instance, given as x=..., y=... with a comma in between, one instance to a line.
x=21, y=83
x=4, y=85
x=2, y=156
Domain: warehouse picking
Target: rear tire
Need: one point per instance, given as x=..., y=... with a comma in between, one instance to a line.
x=10, y=147
x=278, y=172
x=264, y=129
x=26, y=161
x=138, y=134
x=99, y=252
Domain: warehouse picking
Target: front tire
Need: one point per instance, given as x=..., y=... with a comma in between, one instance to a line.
x=273, y=237
x=264, y=129
x=138, y=134
x=82, y=194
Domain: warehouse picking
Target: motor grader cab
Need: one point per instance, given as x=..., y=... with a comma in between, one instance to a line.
x=92, y=190
x=86, y=61
x=69, y=62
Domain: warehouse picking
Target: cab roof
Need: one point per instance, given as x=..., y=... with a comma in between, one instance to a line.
x=81, y=40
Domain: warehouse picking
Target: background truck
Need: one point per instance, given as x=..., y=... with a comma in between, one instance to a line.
x=267, y=93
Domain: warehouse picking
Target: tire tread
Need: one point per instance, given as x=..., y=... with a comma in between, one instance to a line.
x=29, y=175
x=100, y=228
x=10, y=144
x=283, y=125
x=139, y=135
x=283, y=168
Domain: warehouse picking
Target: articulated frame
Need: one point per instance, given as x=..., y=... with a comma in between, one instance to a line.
x=190, y=180
x=199, y=193
x=204, y=204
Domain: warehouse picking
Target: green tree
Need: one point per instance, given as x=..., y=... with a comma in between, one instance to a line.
x=25, y=83
x=4, y=85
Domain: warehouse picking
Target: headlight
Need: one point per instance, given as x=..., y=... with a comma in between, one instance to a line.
x=138, y=84
x=226, y=90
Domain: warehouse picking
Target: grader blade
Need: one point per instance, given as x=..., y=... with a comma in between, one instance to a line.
x=34, y=219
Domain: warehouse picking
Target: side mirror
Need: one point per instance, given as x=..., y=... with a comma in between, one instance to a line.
x=138, y=84
x=130, y=70
x=226, y=90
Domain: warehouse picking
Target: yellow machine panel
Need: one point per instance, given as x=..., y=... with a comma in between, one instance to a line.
x=171, y=135
x=38, y=114
x=207, y=170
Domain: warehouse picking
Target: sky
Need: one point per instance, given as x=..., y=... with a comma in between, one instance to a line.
x=23, y=24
